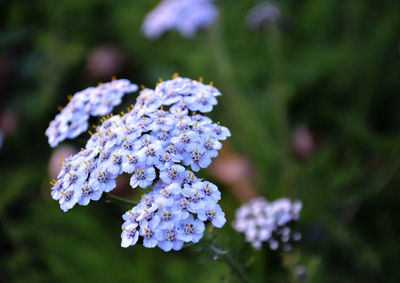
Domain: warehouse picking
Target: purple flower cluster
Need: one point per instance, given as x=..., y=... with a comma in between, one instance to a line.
x=158, y=141
x=93, y=101
x=270, y=222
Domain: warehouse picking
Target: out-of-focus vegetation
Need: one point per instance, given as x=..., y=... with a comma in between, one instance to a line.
x=331, y=67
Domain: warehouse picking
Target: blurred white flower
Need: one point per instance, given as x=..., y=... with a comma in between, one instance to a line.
x=268, y=222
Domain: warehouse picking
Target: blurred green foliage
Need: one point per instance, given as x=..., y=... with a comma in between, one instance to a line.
x=336, y=70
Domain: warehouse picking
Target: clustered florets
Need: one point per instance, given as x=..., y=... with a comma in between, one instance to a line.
x=173, y=213
x=154, y=141
x=269, y=222
x=186, y=16
x=93, y=101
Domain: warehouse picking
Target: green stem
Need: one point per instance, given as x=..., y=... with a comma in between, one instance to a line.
x=280, y=97
x=241, y=110
x=112, y=198
x=224, y=255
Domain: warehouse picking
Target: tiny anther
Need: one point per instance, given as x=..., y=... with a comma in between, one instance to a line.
x=142, y=87
x=59, y=108
x=69, y=97
x=113, y=78
x=211, y=83
x=201, y=79
x=175, y=75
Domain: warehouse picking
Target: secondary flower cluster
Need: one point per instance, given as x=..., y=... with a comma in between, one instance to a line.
x=187, y=16
x=93, y=101
x=270, y=222
x=155, y=140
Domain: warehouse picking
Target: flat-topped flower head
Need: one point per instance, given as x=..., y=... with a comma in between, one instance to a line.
x=269, y=222
x=157, y=141
x=93, y=101
x=186, y=16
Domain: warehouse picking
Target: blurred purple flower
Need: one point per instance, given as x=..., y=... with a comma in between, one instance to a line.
x=186, y=16
x=263, y=15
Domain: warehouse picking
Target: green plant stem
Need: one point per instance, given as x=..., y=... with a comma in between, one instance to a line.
x=280, y=98
x=241, y=110
x=224, y=255
x=112, y=198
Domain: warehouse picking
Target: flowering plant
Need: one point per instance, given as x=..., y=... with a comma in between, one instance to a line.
x=159, y=141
